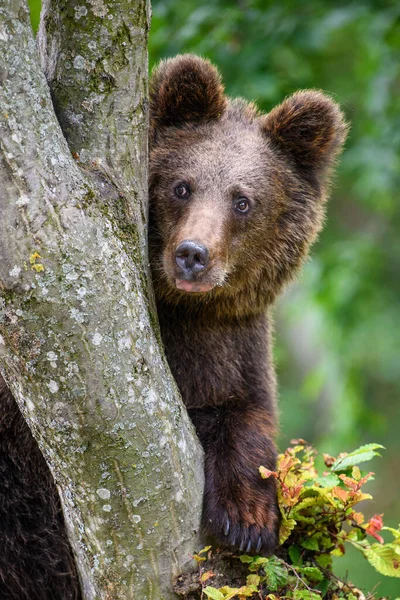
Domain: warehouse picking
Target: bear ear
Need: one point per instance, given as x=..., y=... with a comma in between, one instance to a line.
x=310, y=128
x=185, y=89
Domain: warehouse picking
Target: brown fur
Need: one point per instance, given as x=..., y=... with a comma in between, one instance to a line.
x=217, y=342
x=36, y=561
x=186, y=91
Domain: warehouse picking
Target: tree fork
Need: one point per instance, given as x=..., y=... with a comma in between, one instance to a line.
x=79, y=345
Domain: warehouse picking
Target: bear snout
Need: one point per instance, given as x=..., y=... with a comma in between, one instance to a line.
x=191, y=258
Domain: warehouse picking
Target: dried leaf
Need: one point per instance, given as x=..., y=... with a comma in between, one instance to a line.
x=207, y=575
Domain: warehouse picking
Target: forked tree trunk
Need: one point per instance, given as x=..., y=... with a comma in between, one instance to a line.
x=79, y=344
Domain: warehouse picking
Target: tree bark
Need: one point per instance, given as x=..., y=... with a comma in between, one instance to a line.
x=79, y=342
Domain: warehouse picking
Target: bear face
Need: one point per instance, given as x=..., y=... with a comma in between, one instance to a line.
x=236, y=197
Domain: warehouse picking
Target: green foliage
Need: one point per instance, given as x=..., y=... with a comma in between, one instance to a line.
x=320, y=517
x=318, y=512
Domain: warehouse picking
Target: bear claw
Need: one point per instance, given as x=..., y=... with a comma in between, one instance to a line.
x=227, y=526
x=244, y=538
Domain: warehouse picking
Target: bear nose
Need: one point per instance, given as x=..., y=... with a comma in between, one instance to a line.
x=191, y=257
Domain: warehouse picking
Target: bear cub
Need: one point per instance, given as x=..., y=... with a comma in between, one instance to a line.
x=236, y=199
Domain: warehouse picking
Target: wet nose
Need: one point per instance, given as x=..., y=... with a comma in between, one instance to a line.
x=191, y=257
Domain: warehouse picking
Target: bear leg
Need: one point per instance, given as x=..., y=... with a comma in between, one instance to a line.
x=240, y=509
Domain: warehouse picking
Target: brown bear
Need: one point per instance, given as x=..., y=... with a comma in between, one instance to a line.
x=236, y=200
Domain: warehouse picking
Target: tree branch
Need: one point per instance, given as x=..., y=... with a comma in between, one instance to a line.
x=95, y=60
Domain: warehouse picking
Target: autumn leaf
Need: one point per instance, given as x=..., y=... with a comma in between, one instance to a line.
x=373, y=526
x=340, y=493
x=357, y=517
x=266, y=473
x=207, y=575
x=198, y=558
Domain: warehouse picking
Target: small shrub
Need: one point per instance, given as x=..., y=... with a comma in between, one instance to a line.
x=319, y=518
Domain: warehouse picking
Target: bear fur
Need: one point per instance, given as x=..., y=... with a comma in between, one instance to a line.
x=36, y=561
x=236, y=200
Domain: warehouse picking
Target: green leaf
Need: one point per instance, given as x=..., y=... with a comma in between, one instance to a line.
x=276, y=574
x=295, y=555
x=310, y=544
x=385, y=558
x=325, y=560
x=286, y=528
x=213, y=593
x=394, y=532
x=313, y=574
x=253, y=580
x=229, y=592
x=246, y=559
x=306, y=503
x=328, y=481
x=320, y=498
x=323, y=586
x=259, y=561
x=305, y=595
x=360, y=455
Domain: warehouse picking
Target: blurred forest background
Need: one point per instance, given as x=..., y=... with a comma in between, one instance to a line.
x=338, y=329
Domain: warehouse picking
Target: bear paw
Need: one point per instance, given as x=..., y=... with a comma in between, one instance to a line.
x=248, y=522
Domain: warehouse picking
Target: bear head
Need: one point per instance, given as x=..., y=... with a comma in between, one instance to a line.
x=236, y=197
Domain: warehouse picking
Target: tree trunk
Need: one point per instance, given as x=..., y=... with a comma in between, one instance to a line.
x=79, y=342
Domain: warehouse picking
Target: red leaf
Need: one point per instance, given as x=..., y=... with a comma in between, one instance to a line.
x=373, y=526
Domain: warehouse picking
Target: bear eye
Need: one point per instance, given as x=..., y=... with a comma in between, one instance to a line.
x=182, y=191
x=242, y=205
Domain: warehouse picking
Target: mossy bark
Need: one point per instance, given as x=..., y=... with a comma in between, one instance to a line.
x=79, y=346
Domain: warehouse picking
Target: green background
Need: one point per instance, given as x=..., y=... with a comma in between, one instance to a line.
x=337, y=330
